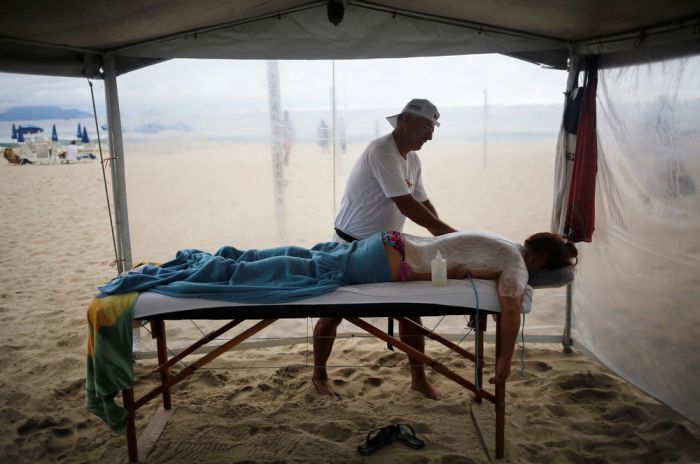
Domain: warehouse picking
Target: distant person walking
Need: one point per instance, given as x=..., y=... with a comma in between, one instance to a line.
x=342, y=135
x=287, y=136
x=324, y=136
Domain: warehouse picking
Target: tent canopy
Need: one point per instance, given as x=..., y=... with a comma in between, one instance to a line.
x=70, y=38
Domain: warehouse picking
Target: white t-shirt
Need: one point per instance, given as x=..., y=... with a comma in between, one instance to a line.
x=378, y=175
x=479, y=251
x=72, y=153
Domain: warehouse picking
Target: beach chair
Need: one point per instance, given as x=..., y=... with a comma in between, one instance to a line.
x=43, y=155
x=54, y=149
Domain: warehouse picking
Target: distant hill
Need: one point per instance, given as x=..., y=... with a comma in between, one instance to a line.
x=34, y=113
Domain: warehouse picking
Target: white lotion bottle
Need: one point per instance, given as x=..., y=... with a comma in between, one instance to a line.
x=438, y=270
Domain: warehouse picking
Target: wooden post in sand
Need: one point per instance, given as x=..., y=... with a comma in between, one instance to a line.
x=276, y=127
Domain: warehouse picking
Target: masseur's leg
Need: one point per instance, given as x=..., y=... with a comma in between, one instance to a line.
x=413, y=336
x=324, y=336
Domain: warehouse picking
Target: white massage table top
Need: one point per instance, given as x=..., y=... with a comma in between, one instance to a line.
x=456, y=294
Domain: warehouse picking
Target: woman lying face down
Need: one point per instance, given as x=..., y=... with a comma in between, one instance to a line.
x=483, y=255
x=285, y=274
x=479, y=254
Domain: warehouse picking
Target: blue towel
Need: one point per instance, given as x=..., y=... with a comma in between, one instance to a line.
x=274, y=275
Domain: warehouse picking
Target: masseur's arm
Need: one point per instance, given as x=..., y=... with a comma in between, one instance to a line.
x=421, y=215
x=510, y=324
x=430, y=207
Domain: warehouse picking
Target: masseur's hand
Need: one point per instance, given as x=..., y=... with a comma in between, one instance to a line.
x=502, y=370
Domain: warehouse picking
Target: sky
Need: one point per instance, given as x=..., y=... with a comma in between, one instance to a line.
x=187, y=86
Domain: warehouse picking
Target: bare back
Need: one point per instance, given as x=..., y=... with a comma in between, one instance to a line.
x=484, y=255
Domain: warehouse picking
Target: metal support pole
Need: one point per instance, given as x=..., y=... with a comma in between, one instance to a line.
x=567, y=324
x=276, y=127
x=564, y=156
x=486, y=132
x=121, y=214
x=335, y=135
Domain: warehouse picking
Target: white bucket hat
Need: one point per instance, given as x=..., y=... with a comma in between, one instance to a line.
x=420, y=107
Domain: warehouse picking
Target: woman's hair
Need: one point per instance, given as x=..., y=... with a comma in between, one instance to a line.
x=558, y=251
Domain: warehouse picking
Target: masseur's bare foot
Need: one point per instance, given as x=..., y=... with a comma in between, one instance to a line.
x=426, y=388
x=502, y=371
x=323, y=387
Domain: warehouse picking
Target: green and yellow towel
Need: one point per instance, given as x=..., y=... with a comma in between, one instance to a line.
x=109, y=356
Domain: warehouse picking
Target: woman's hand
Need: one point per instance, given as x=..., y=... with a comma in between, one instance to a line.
x=510, y=324
x=459, y=272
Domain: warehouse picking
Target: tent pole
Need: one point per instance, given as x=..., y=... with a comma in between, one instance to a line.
x=562, y=183
x=564, y=161
x=276, y=123
x=121, y=215
x=567, y=324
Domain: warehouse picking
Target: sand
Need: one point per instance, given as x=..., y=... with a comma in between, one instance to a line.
x=259, y=405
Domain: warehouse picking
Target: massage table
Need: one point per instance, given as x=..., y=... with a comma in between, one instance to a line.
x=353, y=303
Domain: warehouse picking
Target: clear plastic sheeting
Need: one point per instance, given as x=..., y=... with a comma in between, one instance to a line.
x=637, y=292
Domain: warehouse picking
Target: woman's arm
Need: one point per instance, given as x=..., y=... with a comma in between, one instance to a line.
x=419, y=276
x=510, y=324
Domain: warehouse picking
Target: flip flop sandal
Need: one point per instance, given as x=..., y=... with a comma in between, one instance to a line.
x=407, y=435
x=379, y=438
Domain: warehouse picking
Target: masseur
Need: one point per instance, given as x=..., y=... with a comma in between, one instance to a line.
x=385, y=187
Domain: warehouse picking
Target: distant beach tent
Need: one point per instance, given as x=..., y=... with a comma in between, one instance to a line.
x=30, y=129
x=14, y=132
x=54, y=134
x=84, y=138
x=20, y=135
x=79, y=134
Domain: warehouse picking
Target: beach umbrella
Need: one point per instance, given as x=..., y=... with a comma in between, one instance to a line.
x=30, y=129
x=20, y=135
x=84, y=138
x=14, y=131
x=54, y=134
x=80, y=132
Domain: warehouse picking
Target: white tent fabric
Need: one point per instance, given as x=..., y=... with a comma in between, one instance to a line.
x=363, y=33
x=638, y=281
x=638, y=286
x=71, y=38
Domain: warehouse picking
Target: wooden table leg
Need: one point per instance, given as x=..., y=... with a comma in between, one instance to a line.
x=500, y=399
x=479, y=348
x=158, y=328
x=131, y=442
